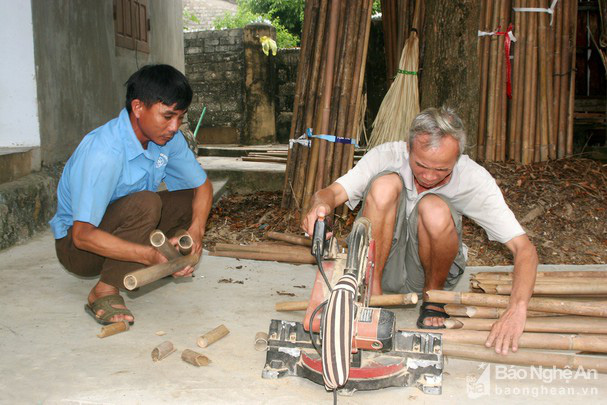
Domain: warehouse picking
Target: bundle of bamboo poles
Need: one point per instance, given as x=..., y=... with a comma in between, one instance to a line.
x=536, y=124
x=328, y=95
x=568, y=311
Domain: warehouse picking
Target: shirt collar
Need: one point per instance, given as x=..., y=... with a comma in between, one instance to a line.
x=132, y=145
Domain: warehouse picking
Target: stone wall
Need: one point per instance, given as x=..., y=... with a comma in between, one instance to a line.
x=286, y=76
x=214, y=65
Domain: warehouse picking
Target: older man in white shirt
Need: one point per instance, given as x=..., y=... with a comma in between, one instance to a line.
x=415, y=194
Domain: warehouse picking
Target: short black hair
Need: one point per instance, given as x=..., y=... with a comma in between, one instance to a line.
x=158, y=83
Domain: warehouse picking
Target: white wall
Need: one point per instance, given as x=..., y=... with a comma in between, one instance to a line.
x=18, y=106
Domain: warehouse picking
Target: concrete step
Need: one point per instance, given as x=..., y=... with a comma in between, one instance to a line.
x=244, y=177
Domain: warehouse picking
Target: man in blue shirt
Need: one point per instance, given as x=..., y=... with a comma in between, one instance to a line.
x=107, y=196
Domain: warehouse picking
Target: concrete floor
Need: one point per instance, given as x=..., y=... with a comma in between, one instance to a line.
x=50, y=352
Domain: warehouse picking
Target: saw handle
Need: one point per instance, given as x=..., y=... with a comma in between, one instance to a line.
x=319, y=237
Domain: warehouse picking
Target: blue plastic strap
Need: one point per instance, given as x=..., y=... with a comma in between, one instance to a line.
x=332, y=138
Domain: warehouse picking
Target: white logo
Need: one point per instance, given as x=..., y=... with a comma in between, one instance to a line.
x=480, y=386
x=162, y=160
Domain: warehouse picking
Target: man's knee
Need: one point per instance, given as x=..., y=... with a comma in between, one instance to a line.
x=434, y=215
x=384, y=193
x=145, y=205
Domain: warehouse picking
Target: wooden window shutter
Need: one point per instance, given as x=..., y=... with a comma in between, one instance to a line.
x=131, y=24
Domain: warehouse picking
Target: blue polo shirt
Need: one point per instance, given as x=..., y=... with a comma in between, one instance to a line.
x=110, y=163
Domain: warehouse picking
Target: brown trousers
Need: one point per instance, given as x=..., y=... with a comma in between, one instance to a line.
x=131, y=218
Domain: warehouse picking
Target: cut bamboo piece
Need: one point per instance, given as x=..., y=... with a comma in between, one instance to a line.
x=553, y=305
x=261, y=341
x=539, y=281
x=161, y=243
x=560, y=289
x=526, y=357
x=550, y=341
x=213, y=336
x=387, y=300
x=286, y=257
x=162, y=351
x=485, y=312
x=184, y=241
x=145, y=276
x=194, y=358
x=113, y=328
x=294, y=239
x=558, y=274
x=262, y=248
x=561, y=324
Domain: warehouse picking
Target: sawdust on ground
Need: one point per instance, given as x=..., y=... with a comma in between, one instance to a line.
x=561, y=204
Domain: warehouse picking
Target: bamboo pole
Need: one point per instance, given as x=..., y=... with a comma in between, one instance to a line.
x=286, y=257
x=294, y=239
x=484, y=45
x=543, y=116
x=161, y=243
x=559, y=289
x=261, y=248
x=572, y=66
x=525, y=357
x=492, y=86
x=551, y=137
x=556, y=71
x=553, y=305
x=564, y=84
x=528, y=115
x=552, y=324
x=516, y=107
x=145, y=276
x=508, y=275
x=386, y=300
x=486, y=312
x=550, y=341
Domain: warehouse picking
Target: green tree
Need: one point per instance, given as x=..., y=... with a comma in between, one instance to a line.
x=285, y=15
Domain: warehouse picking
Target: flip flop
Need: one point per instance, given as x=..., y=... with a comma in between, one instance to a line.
x=424, y=313
x=106, y=304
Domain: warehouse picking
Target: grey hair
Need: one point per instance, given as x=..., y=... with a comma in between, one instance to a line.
x=438, y=123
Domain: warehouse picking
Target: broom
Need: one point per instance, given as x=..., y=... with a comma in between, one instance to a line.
x=401, y=103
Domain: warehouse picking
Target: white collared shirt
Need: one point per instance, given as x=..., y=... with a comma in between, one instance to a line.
x=471, y=190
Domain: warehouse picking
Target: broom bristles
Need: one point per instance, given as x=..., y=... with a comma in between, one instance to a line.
x=401, y=103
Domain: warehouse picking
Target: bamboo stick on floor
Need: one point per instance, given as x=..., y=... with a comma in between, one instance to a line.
x=487, y=312
x=552, y=305
x=526, y=357
x=559, y=324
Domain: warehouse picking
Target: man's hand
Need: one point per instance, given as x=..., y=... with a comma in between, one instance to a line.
x=196, y=248
x=507, y=331
x=319, y=210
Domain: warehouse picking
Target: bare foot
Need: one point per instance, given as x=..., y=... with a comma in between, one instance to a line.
x=434, y=320
x=102, y=289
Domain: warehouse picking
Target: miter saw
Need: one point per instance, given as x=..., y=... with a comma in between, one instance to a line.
x=343, y=343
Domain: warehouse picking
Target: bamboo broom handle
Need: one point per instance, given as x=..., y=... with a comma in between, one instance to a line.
x=388, y=300
x=564, y=324
x=161, y=243
x=139, y=278
x=551, y=341
x=535, y=304
x=525, y=357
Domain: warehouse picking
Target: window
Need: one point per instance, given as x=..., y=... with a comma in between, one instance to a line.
x=131, y=24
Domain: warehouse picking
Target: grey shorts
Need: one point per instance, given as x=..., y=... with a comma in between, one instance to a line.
x=403, y=272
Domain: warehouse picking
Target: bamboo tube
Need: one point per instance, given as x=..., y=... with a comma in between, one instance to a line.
x=572, y=66
x=492, y=96
x=294, y=239
x=539, y=281
x=485, y=312
x=261, y=341
x=520, y=51
x=113, y=328
x=534, y=135
x=543, y=115
x=162, y=351
x=559, y=324
x=564, y=84
x=287, y=257
x=507, y=275
x=560, y=289
x=551, y=138
x=500, y=87
x=529, y=67
x=161, y=243
x=194, y=358
x=212, y=336
x=145, y=276
x=556, y=66
x=535, y=304
x=264, y=248
x=525, y=357
x=550, y=341
x=485, y=43
x=184, y=241
x=387, y=300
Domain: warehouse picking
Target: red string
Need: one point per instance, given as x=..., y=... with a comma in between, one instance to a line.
x=507, y=41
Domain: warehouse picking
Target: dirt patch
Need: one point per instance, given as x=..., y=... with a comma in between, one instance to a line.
x=561, y=204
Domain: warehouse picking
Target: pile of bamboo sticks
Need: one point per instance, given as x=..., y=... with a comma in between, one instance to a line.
x=328, y=95
x=537, y=123
x=568, y=311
